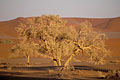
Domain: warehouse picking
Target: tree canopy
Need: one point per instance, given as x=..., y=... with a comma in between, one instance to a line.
x=54, y=38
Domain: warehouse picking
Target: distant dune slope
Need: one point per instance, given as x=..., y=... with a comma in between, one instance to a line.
x=7, y=31
x=105, y=24
x=8, y=28
x=112, y=25
x=77, y=21
x=4, y=50
x=114, y=46
x=108, y=24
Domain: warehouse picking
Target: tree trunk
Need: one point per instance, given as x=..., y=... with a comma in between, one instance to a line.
x=28, y=60
x=55, y=62
x=68, y=60
x=59, y=62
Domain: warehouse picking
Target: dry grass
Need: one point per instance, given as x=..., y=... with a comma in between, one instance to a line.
x=115, y=61
x=113, y=74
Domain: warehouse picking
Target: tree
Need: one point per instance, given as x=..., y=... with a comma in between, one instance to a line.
x=25, y=49
x=56, y=39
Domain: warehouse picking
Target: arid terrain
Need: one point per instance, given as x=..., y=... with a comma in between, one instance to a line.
x=42, y=68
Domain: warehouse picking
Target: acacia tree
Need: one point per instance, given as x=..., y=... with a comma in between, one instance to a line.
x=57, y=40
x=25, y=49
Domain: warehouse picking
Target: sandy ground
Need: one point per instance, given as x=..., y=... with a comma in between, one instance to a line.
x=43, y=69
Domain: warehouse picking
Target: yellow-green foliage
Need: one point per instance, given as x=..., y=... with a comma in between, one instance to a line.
x=55, y=39
x=25, y=49
x=92, y=43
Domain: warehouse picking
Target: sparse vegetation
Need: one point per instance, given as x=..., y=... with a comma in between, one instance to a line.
x=113, y=74
x=114, y=61
x=6, y=42
x=25, y=49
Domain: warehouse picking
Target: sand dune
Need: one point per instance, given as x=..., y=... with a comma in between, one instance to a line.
x=5, y=48
x=114, y=46
x=7, y=31
x=102, y=24
x=106, y=24
x=8, y=28
x=94, y=21
x=112, y=25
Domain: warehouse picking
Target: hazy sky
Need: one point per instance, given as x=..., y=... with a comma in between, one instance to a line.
x=10, y=9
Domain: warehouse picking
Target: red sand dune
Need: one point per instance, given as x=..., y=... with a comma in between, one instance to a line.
x=102, y=24
x=77, y=21
x=114, y=46
x=105, y=24
x=7, y=30
x=112, y=25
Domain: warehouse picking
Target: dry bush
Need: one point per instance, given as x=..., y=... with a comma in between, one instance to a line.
x=113, y=74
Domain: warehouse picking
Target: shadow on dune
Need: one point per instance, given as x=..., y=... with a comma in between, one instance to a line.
x=90, y=68
x=23, y=78
x=31, y=78
x=45, y=68
x=101, y=78
x=6, y=75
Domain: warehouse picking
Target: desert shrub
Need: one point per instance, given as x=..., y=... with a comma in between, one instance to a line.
x=6, y=42
x=113, y=74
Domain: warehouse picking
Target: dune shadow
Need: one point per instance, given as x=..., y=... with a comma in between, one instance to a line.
x=45, y=68
x=102, y=78
x=4, y=76
x=12, y=73
x=32, y=78
x=96, y=78
x=24, y=78
x=77, y=67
